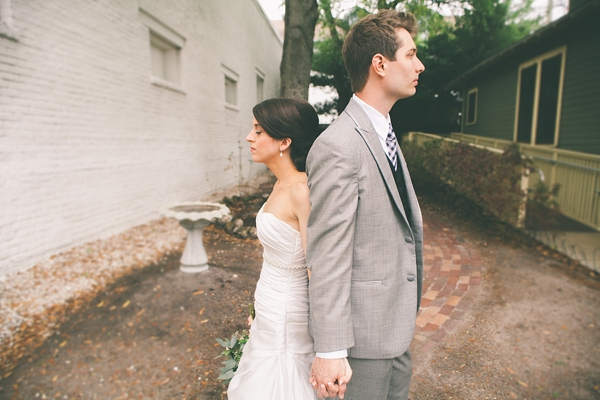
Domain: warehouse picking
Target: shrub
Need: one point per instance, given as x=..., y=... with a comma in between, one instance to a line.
x=470, y=176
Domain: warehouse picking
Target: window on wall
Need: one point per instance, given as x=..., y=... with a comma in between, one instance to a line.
x=165, y=48
x=260, y=88
x=230, y=91
x=231, y=87
x=539, y=99
x=165, y=59
x=472, y=106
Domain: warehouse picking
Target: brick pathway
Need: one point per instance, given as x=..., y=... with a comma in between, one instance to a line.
x=451, y=280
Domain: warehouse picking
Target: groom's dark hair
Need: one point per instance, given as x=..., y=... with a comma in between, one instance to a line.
x=290, y=118
x=374, y=34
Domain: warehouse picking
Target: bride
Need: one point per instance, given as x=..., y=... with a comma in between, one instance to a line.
x=277, y=358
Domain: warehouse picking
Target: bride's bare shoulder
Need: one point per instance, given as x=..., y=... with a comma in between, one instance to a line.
x=299, y=191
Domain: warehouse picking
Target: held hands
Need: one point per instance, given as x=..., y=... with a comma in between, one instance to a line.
x=330, y=376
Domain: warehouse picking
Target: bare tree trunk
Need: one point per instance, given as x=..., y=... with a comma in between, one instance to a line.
x=300, y=19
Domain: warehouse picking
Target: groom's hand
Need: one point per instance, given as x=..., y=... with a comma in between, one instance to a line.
x=330, y=376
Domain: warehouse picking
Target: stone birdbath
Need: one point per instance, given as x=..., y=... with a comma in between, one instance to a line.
x=194, y=217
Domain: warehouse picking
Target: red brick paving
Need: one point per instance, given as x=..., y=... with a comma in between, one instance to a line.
x=452, y=278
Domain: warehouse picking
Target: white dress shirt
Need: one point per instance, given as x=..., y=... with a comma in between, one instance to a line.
x=381, y=124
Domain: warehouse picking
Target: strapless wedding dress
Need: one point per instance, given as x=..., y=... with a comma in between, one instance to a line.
x=278, y=356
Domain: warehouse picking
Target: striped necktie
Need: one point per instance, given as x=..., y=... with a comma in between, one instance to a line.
x=392, y=147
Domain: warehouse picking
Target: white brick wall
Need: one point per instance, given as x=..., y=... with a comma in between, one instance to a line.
x=89, y=146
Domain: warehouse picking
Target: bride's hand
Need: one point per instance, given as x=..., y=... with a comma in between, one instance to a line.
x=250, y=320
x=329, y=377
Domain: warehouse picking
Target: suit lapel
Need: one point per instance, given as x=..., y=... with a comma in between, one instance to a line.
x=365, y=128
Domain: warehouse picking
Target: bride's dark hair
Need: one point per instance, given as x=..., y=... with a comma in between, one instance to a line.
x=290, y=118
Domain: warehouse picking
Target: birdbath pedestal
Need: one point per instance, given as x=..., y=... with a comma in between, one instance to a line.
x=194, y=217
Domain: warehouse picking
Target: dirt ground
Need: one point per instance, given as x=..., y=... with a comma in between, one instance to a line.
x=533, y=332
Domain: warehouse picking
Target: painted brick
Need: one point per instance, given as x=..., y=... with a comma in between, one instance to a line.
x=89, y=146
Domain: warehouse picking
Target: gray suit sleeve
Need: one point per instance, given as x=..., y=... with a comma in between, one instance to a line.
x=332, y=179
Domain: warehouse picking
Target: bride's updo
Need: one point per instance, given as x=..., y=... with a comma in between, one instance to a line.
x=290, y=118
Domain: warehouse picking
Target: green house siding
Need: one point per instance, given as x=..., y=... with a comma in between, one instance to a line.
x=497, y=85
x=580, y=118
x=495, y=104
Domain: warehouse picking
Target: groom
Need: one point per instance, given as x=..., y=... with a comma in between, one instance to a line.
x=365, y=232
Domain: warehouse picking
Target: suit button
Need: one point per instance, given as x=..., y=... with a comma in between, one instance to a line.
x=411, y=278
x=408, y=239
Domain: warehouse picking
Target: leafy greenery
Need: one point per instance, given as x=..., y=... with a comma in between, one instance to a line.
x=542, y=208
x=448, y=46
x=485, y=28
x=328, y=64
x=234, y=348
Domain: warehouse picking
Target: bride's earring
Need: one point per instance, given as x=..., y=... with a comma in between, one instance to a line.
x=280, y=153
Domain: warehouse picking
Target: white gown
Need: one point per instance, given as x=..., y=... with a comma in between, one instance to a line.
x=278, y=356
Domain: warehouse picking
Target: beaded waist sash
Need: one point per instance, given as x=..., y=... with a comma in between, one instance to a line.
x=282, y=266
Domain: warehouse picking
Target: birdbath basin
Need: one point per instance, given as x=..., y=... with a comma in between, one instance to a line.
x=194, y=217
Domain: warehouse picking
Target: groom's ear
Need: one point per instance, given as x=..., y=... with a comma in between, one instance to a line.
x=378, y=64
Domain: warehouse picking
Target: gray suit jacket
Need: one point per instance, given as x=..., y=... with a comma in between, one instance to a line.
x=366, y=258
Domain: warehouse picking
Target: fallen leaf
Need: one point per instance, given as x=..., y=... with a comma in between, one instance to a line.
x=62, y=344
x=512, y=395
x=198, y=292
x=141, y=312
x=55, y=378
x=202, y=311
x=522, y=383
x=160, y=383
x=510, y=371
x=204, y=321
x=564, y=327
x=100, y=304
x=125, y=304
